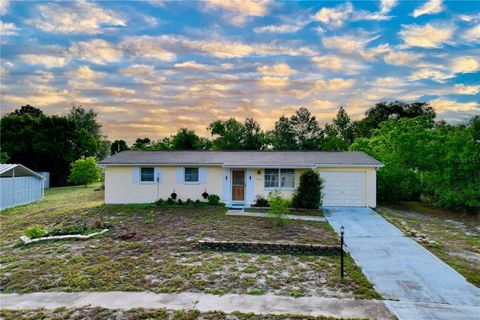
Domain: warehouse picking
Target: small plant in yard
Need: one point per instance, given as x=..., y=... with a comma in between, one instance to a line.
x=309, y=193
x=35, y=232
x=260, y=201
x=84, y=171
x=213, y=199
x=279, y=207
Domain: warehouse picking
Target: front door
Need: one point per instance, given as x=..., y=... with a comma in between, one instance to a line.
x=238, y=185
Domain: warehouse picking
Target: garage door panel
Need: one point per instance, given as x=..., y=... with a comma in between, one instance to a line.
x=343, y=188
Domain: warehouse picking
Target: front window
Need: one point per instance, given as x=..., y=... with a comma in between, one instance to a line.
x=191, y=174
x=280, y=178
x=287, y=178
x=147, y=175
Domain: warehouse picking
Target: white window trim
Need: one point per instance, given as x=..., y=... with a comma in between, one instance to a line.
x=279, y=180
x=140, y=176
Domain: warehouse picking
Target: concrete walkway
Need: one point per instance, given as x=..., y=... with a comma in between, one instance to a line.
x=263, y=304
x=423, y=286
x=242, y=213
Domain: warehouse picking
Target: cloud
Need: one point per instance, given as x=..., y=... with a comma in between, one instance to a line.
x=388, y=82
x=85, y=73
x=338, y=64
x=401, y=58
x=387, y=5
x=138, y=70
x=238, y=11
x=192, y=65
x=444, y=105
x=279, y=28
x=79, y=17
x=335, y=84
x=429, y=7
x=268, y=81
x=97, y=51
x=426, y=73
x=165, y=47
x=466, y=89
x=4, y=6
x=355, y=45
x=427, y=36
x=465, y=64
x=334, y=17
x=472, y=34
x=279, y=69
x=84, y=78
x=49, y=61
x=119, y=91
x=8, y=29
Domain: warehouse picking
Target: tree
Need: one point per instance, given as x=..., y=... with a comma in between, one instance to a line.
x=228, y=134
x=404, y=146
x=118, y=146
x=91, y=141
x=84, y=171
x=282, y=137
x=339, y=134
x=50, y=143
x=384, y=111
x=4, y=157
x=300, y=132
x=309, y=193
x=142, y=144
x=28, y=109
x=233, y=135
x=186, y=139
x=85, y=119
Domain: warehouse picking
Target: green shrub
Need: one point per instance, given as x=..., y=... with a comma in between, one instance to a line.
x=84, y=171
x=278, y=207
x=213, y=199
x=260, y=201
x=35, y=232
x=309, y=193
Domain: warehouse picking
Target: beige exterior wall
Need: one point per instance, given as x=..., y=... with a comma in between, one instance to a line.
x=370, y=181
x=121, y=188
x=259, y=185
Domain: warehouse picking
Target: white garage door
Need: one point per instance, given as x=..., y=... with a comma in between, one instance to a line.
x=343, y=188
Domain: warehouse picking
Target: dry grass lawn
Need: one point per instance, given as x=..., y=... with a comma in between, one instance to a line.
x=456, y=236
x=153, y=248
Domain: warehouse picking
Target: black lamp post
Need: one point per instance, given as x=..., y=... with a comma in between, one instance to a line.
x=342, y=229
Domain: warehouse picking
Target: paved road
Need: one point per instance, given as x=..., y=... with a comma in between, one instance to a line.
x=419, y=284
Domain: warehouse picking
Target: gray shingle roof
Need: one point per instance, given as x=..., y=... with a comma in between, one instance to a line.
x=242, y=158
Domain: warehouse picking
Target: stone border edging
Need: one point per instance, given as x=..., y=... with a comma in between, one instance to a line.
x=27, y=240
x=268, y=247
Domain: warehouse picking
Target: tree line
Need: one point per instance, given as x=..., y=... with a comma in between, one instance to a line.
x=301, y=131
x=424, y=159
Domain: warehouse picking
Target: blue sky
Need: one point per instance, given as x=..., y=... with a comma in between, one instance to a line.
x=149, y=68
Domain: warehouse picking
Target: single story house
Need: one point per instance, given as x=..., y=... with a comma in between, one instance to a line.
x=19, y=185
x=237, y=176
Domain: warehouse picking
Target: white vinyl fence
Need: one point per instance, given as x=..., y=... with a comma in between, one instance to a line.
x=15, y=191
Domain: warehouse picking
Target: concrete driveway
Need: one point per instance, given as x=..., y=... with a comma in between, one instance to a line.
x=417, y=284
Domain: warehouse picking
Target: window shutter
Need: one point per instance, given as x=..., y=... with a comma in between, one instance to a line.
x=202, y=175
x=158, y=174
x=136, y=175
x=180, y=175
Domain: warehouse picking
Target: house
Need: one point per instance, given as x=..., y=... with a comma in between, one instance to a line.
x=237, y=176
x=19, y=185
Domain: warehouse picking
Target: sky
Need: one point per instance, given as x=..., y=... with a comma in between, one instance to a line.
x=150, y=68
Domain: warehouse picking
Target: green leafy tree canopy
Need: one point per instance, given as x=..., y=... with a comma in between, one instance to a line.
x=84, y=171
